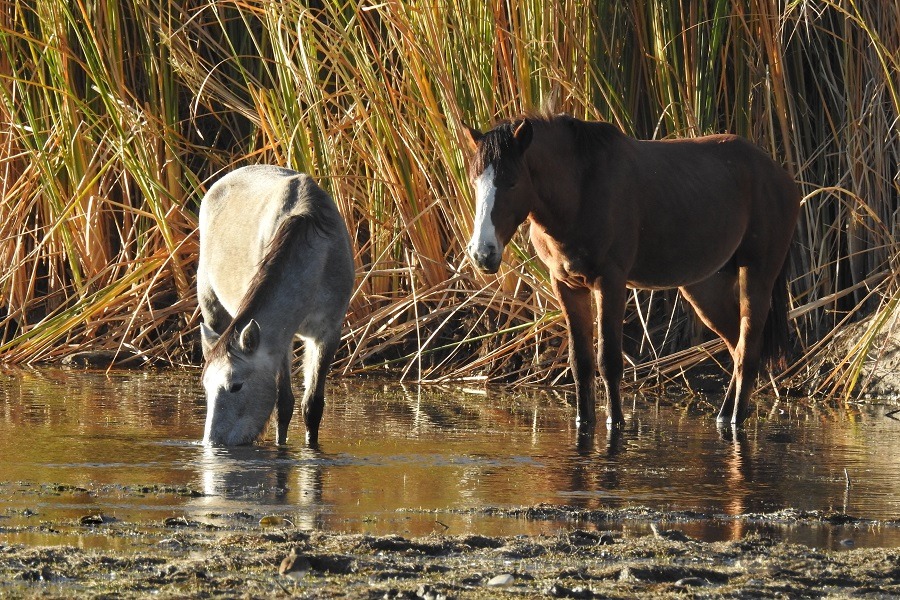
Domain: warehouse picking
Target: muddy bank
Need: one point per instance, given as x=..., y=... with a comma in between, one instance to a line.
x=180, y=557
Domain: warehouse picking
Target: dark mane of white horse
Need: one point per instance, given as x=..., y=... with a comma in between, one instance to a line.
x=313, y=220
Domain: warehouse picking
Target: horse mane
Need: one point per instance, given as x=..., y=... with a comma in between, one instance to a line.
x=586, y=135
x=310, y=217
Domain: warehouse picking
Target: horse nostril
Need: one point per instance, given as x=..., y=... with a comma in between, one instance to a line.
x=235, y=387
x=480, y=253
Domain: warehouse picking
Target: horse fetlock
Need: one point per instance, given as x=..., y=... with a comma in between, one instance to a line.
x=281, y=433
x=312, y=413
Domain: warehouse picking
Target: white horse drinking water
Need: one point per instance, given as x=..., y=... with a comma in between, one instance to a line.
x=275, y=261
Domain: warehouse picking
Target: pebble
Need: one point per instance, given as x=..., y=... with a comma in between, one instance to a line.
x=294, y=566
x=426, y=592
x=560, y=591
x=668, y=534
x=691, y=581
x=501, y=580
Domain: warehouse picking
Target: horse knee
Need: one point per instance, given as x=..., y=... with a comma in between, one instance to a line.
x=611, y=364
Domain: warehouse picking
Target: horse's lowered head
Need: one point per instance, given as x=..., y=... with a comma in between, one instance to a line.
x=503, y=190
x=239, y=379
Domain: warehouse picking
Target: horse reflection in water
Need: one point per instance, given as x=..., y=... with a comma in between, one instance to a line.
x=259, y=479
x=711, y=216
x=275, y=261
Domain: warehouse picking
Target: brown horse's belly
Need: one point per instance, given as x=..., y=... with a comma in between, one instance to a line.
x=675, y=270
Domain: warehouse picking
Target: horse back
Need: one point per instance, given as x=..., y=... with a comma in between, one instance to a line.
x=244, y=215
x=674, y=211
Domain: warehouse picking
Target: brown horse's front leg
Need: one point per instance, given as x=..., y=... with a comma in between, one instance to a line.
x=611, y=312
x=576, y=307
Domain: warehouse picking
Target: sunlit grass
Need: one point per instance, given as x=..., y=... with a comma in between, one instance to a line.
x=118, y=115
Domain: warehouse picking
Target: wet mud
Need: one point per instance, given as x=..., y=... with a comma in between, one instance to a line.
x=244, y=555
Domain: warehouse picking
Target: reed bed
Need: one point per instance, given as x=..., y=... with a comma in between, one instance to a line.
x=118, y=114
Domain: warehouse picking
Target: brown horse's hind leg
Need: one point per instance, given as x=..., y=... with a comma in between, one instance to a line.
x=576, y=307
x=715, y=301
x=284, y=407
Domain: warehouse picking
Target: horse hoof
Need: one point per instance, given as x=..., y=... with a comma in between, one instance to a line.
x=312, y=439
x=585, y=428
x=615, y=423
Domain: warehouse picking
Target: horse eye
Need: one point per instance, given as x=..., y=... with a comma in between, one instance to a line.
x=235, y=387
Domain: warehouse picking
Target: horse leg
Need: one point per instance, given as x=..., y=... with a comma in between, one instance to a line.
x=756, y=292
x=715, y=301
x=576, y=307
x=284, y=407
x=611, y=313
x=317, y=358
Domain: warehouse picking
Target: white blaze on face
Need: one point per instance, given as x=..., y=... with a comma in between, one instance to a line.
x=484, y=238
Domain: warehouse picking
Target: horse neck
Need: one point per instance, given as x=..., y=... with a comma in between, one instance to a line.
x=552, y=166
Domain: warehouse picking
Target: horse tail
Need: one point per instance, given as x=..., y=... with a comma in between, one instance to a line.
x=776, y=332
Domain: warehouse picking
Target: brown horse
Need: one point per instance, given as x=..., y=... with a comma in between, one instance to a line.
x=713, y=216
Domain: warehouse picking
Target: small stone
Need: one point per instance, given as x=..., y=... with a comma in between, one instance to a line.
x=606, y=539
x=501, y=580
x=668, y=534
x=97, y=519
x=294, y=566
x=690, y=581
x=426, y=592
x=560, y=591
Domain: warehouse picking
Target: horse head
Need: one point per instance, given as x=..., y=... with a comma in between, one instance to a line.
x=239, y=380
x=504, y=194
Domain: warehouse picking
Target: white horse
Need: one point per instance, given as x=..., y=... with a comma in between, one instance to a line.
x=275, y=261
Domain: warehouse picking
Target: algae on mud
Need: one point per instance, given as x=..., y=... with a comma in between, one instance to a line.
x=189, y=559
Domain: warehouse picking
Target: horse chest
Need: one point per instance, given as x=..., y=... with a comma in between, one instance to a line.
x=574, y=275
x=572, y=266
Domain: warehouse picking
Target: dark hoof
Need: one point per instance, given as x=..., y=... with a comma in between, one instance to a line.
x=615, y=422
x=584, y=425
x=312, y=439
x=584, y=442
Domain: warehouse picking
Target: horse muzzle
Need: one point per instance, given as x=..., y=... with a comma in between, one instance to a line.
x=486, y=260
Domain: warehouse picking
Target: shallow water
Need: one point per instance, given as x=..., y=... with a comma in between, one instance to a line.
x=411, y=460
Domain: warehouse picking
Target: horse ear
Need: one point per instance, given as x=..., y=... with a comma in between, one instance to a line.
x=208, y=338
x=523, y=134
x=248, y=341
x=474, y=136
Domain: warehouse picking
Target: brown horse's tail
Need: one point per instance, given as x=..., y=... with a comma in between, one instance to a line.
x=776, y=343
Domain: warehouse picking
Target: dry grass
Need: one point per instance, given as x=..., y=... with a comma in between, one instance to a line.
x=118, y=114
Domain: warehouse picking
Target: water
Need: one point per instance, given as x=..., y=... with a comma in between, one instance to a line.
x=410, y=460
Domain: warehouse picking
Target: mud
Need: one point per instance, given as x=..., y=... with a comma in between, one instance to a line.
x=241, y=555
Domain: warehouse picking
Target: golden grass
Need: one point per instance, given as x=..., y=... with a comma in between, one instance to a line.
x=118, y=115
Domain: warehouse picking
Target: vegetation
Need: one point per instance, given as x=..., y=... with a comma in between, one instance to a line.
x=118, y=114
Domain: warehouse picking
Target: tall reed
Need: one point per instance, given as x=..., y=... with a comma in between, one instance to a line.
x=118, y=115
